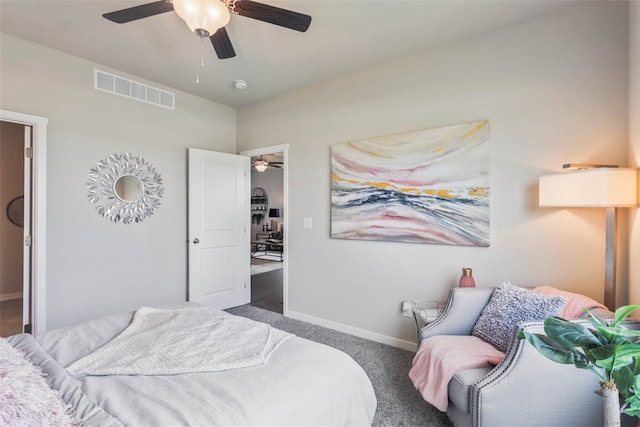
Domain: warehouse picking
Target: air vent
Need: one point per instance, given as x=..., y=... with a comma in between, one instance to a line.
x=124, y=87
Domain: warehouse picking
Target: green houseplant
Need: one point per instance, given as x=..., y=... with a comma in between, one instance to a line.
x=608, y=349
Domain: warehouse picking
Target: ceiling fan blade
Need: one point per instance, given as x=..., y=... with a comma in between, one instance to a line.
x=273, y=15
x=139, y=12
x=276, y=163
x=222, y=44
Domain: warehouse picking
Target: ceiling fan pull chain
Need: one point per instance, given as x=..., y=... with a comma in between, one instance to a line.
x=198, y=70
x=201, y=59
x=202, y=37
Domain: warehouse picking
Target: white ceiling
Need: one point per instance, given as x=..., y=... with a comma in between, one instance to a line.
x=344, y=35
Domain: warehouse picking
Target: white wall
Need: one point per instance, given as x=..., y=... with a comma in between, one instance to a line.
x=634, y=146
x=554, y=90
x=94, y=266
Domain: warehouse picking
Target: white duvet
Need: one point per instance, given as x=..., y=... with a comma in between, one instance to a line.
x=302, y=383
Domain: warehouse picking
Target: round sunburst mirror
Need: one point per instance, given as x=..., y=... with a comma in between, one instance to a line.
x=125, y=188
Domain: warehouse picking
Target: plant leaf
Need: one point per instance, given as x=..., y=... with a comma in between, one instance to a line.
x=595, y=320
x=627, y=354
x=556, y=352
x=581, y=361
x=633, y=403
x=549, y=348
x=615, y=356
x=623, y=312
x=569, y=334
x=624, y=380
x=619, y=331
x=603, y=356
x=634, y=412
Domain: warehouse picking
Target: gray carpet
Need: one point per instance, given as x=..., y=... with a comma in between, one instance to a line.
x=399, y=403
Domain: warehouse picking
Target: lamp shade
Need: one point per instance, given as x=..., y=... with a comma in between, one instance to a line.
x=274, y=213
x=590, y=188
x=209, y=15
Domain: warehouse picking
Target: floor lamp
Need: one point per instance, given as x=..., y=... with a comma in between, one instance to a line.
x=594, y=186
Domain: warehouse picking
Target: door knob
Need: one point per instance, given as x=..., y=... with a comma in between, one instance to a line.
x=196, y=241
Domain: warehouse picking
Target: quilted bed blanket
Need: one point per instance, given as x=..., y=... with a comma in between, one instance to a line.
x=181, y=341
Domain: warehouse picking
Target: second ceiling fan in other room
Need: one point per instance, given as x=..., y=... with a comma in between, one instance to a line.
x=261, y=165
x=207, y=18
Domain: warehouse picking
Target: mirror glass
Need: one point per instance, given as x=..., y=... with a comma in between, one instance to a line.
x=128, y=188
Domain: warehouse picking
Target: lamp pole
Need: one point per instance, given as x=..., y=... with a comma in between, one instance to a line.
x=611, y=258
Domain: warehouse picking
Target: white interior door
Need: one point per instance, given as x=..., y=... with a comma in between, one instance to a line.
x=26, y=248
x=219, y=264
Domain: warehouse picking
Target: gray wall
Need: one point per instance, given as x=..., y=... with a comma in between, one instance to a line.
x=96, y=267
x=554, y=90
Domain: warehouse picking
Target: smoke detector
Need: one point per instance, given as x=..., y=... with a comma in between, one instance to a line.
x=240, y=84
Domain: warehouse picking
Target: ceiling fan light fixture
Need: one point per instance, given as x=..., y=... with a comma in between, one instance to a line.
x=207, y=15
x=261, y=165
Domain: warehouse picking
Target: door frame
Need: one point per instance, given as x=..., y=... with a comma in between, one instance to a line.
x=38, y=213
x=284, y=149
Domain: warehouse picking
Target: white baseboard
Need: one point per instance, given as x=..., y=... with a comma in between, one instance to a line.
x=10, y=296
x=362, y=333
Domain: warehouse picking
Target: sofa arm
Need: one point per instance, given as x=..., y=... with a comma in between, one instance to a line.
x=600, y=312
x=527, y=389
x=462, y=309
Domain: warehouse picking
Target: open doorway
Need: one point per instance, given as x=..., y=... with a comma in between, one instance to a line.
x=23, y=200
x=12, y=198
x=268, y=228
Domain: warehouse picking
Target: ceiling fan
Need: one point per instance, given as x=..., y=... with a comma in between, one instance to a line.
x=261, y=165
x=207, y=18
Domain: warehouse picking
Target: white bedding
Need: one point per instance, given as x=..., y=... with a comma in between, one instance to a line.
x=302, y=384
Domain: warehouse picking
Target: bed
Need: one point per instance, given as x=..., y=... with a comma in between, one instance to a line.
x=248, y=374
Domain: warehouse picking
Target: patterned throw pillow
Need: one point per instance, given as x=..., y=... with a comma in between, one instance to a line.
x=510, y=305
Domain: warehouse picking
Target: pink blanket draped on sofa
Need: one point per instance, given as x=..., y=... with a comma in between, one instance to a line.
x=439, y=358
x=575, y=305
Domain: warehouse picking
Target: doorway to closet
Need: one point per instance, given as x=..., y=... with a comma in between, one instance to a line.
x=268, y=228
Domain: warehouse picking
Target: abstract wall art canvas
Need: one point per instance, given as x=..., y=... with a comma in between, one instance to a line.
x=430, y=186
